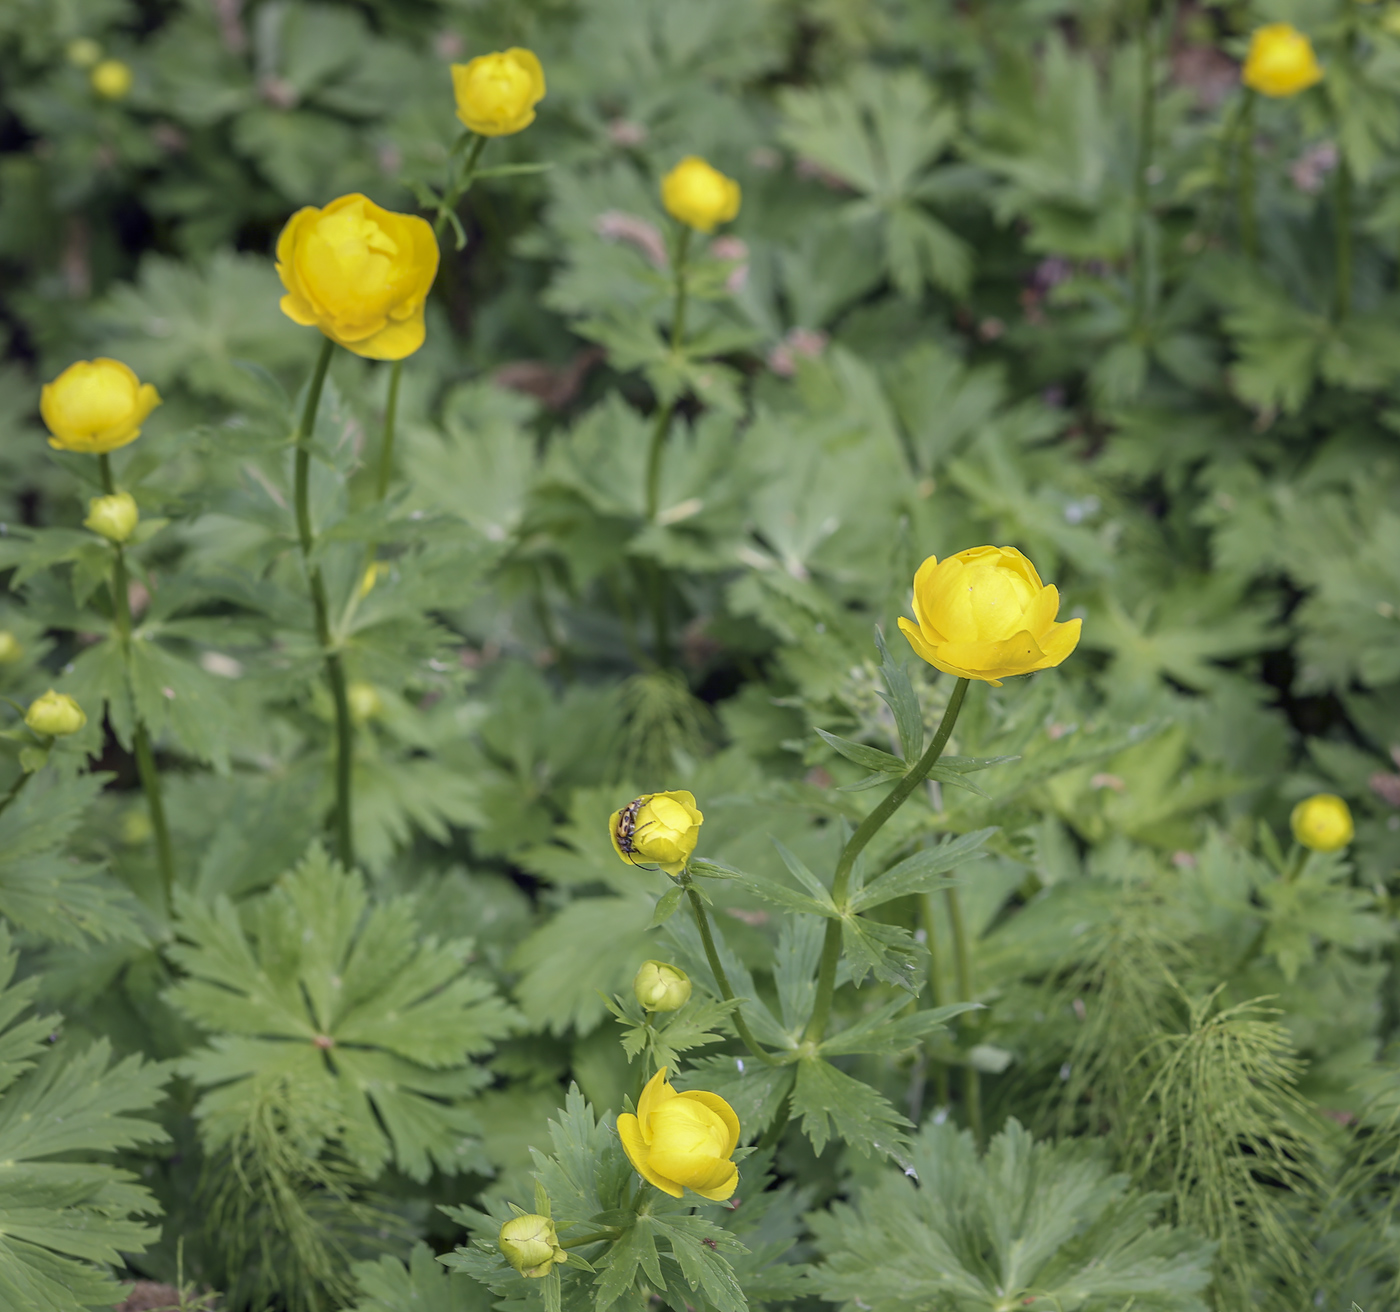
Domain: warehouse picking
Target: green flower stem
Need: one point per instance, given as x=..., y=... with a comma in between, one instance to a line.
x=140, y=735
x=663, y=414
x=1295, y=868
x=335, y=666
x=1343, y=220
x=869, y=827
x=702, y=923
x=1147, y=114
x=1249, y=234
x=962, y=961
x=386, y=448
x=935, y=989
x=596, y=1238
x=460, y=185
x=15, y=789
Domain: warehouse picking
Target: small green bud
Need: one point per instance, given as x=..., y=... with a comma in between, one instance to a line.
x=365, y=701
x=115, y=517
x=660, y=987
x=84, y=52
x=530, y=1245
x=10, y=648
x=55, y=714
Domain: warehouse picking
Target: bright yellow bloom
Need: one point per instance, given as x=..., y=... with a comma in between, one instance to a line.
x=1322, y=822
x=1281, y=61
x=114, y=516
x=657, y=829
x=497, y=94
x=360, y=274
x=681, y=1141
x=96, y=406
x=531, y=1245
x=985, y=614
x=11, y=649
x=660, y=987
x=54, y=714
x=699, y=195
x=111, y=79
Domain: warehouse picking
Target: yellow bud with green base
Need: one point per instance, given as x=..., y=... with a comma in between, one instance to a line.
x=661, y=987
x=699, y=195
x=365, y=701
x=1322, y=823
x=530, y=1244
x=96, y=406
x=1281, y=62
x=496, y=94
x=54, y=715
x=658, y=829
x=115, y=517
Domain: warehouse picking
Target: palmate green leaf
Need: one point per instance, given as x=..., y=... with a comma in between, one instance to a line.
x=889, y=952
x=327, y=993
x=921, y=873
x=830, y=1101
x=63, y=1222
x=423, y=1285
x=886, y=1032
x=42, y=889
x=1031, y=1223
x=871, y=758
x=770, y=890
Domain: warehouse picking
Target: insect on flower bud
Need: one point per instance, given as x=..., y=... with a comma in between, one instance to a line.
x=54, y=715
x=530, y=1245
x=1322, y=823
x=115, y=517
x=657, y=829
x=660, y=987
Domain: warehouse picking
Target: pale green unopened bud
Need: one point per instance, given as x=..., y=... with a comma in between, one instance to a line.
x=365, y=701
x=115, y=516
x=660, y=987
x=84, y=52
x=10, y=648
x=530, y=1245
x=55, y=714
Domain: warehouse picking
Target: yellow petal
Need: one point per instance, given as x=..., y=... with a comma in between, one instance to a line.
x=947, y=602
x=916, y=640
x=722, y=1190
x=656, y=1093
x=721, y=1109
x=1059, y=642
x=629, y=1132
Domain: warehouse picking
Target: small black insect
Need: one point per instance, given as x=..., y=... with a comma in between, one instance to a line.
x=626, y=831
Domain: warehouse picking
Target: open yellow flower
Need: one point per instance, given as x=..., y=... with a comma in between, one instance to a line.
x=360, y=274
x=985, y=614
x=96, y=406
x=1281, y=61
x=1322, y=823
x=680, y=1141
x=497, y=94
x=657, y=829
x=699, y=195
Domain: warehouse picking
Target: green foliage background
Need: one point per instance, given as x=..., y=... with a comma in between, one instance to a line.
x=988, y=284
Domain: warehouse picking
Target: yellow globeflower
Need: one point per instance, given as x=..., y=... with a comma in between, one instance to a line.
x=96, y=406
x=680, y=1141
x=360, y=274
x=115, y=516
x=530, y=1244
x=1322, y=823
x=497, y=94
x=985, y=614
x=111, y=79
x=54, y=715
x=1281, y=61
x=657, y=829
x=699, y=195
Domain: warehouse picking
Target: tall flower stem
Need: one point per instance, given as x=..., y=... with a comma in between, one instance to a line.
x=940, y=1071
x=869, y=827
x=1249, y=234
x=335, y=666
x=15, y=789
x=140, y=735
x=386, y=447
x=1344, y=187
x=702, y=923
x=962, y=961
x=458, y=187
x=1147, y=116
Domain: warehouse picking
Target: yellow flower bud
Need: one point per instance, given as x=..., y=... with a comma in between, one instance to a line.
x=530, y=1245
x=111, y=79
x=1281, y=61
x=10, y=648
x=660, y=987
x=360, y=274
x=1322, y=822
x=681, y=1141
x=365, y=701
x=370, y=578
x=497, y=94
x=985, y=614
x=699, y=195
x=96, y=406
x=658, y=829
x=115, y=516
x=54, y=715
x=83, y=52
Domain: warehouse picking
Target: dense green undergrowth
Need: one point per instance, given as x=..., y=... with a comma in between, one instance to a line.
x=1024, y=272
